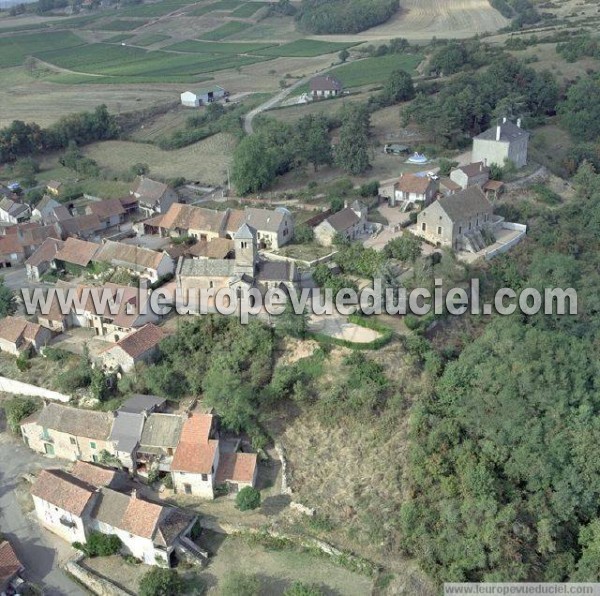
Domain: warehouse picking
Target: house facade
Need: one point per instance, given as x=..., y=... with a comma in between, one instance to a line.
x=473, y=174
x=13, y=212
x=18, y=335
x=324, y=87
x=194, y=99
x=110, y=212
x=153, y=197
x=350, y=222
x=410, y=189
x=505, y=141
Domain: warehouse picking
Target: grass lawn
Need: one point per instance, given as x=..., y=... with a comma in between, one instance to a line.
x=305, y=252
x=13, y=49
x=230, y=28
x=307, y=48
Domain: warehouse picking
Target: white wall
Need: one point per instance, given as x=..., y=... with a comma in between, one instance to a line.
x=19, y=388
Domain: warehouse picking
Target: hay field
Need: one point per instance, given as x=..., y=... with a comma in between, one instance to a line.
x=205, y=161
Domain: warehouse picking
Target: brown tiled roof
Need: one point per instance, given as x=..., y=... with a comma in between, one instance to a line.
x=81, y=224
x=119, y=253
x=105, y=209
x=412, y=183
x=141, y=517
x=217, y=248
x=53, y=184
x=189, y=217
x=149, y=191
x=77, y=252
x=9, y=562
x=493, y=185
x=342, y=220
x=236, y=467
x=63, y=490
x=449, y=184
x=196, y=451
x=474, y=169
x=141, y=340
x=16, y=329
x=45, y=253
x=94, y=475
x=11, y=244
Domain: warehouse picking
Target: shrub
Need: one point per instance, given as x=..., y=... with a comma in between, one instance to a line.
x=168, y=482
x=17, y=409
x=100, y=545
x=240, y=584
x=301, y=589
x=248, y=498
x=161, y=582
x=303, y=234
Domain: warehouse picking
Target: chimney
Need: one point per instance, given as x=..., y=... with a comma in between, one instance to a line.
x=498, y=131
x=134, y=493
x=504, y=120
x=519, y=122
x=481, y=166
x=346, y=204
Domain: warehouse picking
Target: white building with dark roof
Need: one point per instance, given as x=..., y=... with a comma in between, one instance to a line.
x=505, y=141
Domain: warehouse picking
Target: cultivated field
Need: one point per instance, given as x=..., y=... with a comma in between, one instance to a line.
x=205, y=161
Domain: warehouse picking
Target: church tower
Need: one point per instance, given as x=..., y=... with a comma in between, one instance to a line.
x=246, y=253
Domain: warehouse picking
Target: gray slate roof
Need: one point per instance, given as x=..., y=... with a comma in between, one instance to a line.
x=137, y=403
x=265, y=220
x=208, y=267
x=244, y=233
x=508, y=132
x=465, y=204
x=274, y=271
x=110, y=507
x=127, y=430
x=343, y=220
x=162, y=430
x=77, y=422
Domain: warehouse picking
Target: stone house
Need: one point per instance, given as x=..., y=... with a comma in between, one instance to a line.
x=18, y=242
x=14, y=212
x=42, y=260
x=141, y=345
x=75, y=254
x=473, y=174
x=448, y=187
x=110, y=212
x=505, y=141
x=160, y=437
x=69, y=433
x=45, y=208
x=456, y=221
x=201, y=462
x=153, y=197
x=195, y=222
x=150, y=264
x=18, y=336
x=54, y=187
x=83, y=227
x=324, y=87
x=350, y=222
x=274, y=227
x=410, y=189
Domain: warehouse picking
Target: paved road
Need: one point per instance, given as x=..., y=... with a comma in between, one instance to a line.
x=38, y=550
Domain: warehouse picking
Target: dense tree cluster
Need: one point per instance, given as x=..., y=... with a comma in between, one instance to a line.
x=522, y=12
x=343, y=16
x=505, y=466
x=21, y=139
x=579, y=47
x=580, y=112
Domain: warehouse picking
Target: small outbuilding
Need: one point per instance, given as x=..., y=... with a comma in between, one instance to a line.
x=200, y=97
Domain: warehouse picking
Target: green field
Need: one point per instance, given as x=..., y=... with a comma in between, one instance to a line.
x=147, y=39
x=119, y=38
x=226, y=5
x=208, y=47
x=247, y=10
x=119, y=25
x=306, y=48
x=156, y=9
x=375, y=70
x=14, y=49
x=230, y=28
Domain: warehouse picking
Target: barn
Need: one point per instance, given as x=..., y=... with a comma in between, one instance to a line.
x=194, y=99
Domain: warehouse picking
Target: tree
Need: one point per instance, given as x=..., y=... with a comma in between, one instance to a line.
x=336, y=204
x=248, y=498
x=292, y=323
x=352, y=152
x=344, y=55
x=240, y=584
x=446, y=166
x=406, y=248
x=586, y=181
x=17, y=409
x=26, y=169
x=254, y=165
x=100, y=545
x=313, y=144
x=8, y=305
x=161, y=582
x=399, y=87
x=303, y=234
x=580, y=115
x=140, y=169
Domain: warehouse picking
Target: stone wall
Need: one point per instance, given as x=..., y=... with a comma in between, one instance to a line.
x=96, y=584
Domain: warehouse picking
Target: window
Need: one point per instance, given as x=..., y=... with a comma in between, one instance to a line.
x=73, y=441
x=423, y=226
x=95, y=459
x=92, y=445
x=204, y=477
x=211, y=284
x=439, y=230
x=187, y=489
x=460, y=229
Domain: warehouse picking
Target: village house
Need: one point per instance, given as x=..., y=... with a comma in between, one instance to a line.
x=75, y=255
x=54, y=187
x=110, y=212
x=199, y=465
x=350, y=222
x=473, y=174
x=20, y=241
x=144, y=262
x=504, y=142
x=324, y=87
x=457, y=221
x=160, y=437
x=141, y=345
x=217, y=248
x=72, y=505
x=14, y=212
x=153, y=197
x=84, y=227
x=411, y=189
x=194, y=222
x=448, y=186
x=128, y=425
x=19, y=336
x=194, y=99
x=274, y=228
x=10, y=566
x=45, y=208
x=69, y=433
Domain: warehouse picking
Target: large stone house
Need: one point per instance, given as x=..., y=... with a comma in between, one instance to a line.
x=72, y=505
x=274, y=228
x=153, y=197
x=18, y=242
x=18, y=336
x=141, y=345
x=457, y=221
x=202, y=461
x=69, y=433
x=473, y=174
x=350, y=222
x=505, y=141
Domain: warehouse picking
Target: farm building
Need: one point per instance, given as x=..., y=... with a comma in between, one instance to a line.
x=194, y=99
x=325, y=87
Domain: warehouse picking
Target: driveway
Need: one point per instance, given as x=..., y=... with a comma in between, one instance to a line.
x=40, y=551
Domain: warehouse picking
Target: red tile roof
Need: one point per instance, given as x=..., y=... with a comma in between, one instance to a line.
x=16, y=329
x=141, y=340
x=63, y=491
x=9, y=562
x=77, y=252
x=106, y=209
x=93, y=475
x=412, y=183
x=141, y=517
x=196, y=451
x=236, y=467
x=45, y=253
